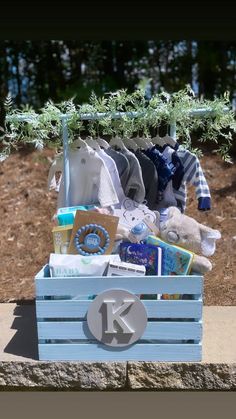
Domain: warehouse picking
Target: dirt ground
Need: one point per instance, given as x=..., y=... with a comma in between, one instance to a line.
x=27, y=208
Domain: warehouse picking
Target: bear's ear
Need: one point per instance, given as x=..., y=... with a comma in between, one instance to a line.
x=208, y=239
x=152, y=217
x=172, y=212
x=157, y=220
x=128, y=204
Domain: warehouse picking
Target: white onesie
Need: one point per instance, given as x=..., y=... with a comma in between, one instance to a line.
x=112, y=168
x=90, y=180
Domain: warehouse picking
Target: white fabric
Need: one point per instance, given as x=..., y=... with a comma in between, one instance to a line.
x=90, y=181
x=130, y=213
x=56, y=166
x=112, y=168
x=208, y=244
x=167, y=153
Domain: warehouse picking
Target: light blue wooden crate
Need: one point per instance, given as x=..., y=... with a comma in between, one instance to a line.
x=173, y=332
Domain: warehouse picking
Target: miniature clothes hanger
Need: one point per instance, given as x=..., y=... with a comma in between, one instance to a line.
x=141, y=143
x=157, y=140
x=130, y=143
x=148, y=140
x=117, y=142
x=100, y=141
x=93, y=144
x=78, y=143
x=103, y=143
x=169, y=140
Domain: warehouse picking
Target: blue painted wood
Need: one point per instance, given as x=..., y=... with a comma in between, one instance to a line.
x=136, y=285
x=64, y=330
x=158, y=333
x=137, y=352
x=155, y=309
x=154, y=330
x=43, y=273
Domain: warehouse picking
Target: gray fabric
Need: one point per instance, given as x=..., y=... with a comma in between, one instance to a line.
x=134, y=188
x=122, y=165
x=168, y=198
x=150, y=179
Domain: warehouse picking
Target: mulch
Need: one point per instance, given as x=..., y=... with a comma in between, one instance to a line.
x=26, y=214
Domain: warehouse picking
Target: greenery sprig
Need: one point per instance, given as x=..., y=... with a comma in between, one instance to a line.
x=44, y=128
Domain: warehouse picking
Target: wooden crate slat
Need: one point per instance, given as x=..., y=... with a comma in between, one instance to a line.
x=154, y=330
x=43, y=273
x=136, y=285
x=139, y=352
x=163, y=340
x=155, y=309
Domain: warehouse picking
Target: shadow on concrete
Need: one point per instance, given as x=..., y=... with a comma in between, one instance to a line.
x=25, y=341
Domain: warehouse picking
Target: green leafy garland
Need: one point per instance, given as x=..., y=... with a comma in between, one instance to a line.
x=44, y=128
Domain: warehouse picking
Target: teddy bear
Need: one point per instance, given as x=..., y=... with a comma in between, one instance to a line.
x=131, y=213
x=184, y=231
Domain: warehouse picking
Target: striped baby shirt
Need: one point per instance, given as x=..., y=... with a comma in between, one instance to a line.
x=193, y=174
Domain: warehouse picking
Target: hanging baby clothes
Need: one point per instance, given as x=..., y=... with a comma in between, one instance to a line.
x=150, y=179
x=112, y=168
x=195, y=176
x=134, y=188
x=90, y=181
x=170, y=154
x=122, y=165
x=56, y=166
x=164, y=169
x=168, y=198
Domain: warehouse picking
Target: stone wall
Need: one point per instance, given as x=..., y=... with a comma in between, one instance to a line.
x=115, y=376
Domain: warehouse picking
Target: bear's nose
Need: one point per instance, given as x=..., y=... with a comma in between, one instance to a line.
x=172, y=237
x=133, y=218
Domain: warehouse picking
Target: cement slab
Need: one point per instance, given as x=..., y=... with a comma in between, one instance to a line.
x=18, y=333
x=219, y=334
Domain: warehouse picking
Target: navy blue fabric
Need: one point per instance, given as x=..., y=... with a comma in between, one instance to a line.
x=179, y=173
x=204, y=203
x=164, y=169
